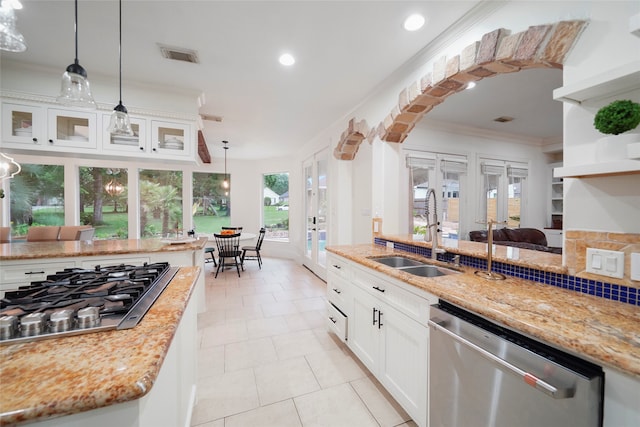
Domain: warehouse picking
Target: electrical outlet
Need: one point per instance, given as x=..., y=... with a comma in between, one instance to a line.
x=605, y=263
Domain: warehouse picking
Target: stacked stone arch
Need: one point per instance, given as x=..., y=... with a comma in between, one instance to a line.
x=498, y=52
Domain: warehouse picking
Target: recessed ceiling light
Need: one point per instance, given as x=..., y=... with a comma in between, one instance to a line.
x=471, y=85
x=287, y=59
x=414, y=22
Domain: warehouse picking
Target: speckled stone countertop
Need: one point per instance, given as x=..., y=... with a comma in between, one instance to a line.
x=603, y=331
x=63, y=376
x=545, y=261
x=34, y=250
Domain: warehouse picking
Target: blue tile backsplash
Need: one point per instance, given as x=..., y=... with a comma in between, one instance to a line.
x=610, y=291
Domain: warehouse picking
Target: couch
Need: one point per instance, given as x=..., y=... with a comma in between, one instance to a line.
x=526, y=238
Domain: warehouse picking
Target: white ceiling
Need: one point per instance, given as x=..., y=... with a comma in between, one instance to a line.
x=343, y=50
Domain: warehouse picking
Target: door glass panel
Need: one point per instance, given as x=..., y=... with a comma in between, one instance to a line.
x=515, y=201
x=72, y=128
x=37, y=197
x=160, y=203
x=420, y=185
x=21, y=123
x=450, y=214
x=321, y=222
x=275, y=206
x=491, y=196
x=308, y=201
x=103, y=201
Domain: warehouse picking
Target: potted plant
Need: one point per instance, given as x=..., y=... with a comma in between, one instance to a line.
x=617, y=119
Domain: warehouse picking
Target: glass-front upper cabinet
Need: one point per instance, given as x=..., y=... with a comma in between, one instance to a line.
x=67, y=128
x=171, y=138
x=23, y=124
x=136, y=143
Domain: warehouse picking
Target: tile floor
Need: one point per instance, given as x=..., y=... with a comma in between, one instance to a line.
x=265, y=358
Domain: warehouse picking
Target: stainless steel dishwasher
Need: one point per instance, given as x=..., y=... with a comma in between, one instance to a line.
x=483, y=374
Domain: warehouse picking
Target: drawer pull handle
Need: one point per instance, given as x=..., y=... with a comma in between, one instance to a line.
x=337, y=266
x=378, y=289
x=374, y=315
x=337, y=291
x=333, y=320
x=379, y=319
x=34, y=272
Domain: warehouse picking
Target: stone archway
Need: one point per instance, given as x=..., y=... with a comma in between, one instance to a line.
x=498, y=52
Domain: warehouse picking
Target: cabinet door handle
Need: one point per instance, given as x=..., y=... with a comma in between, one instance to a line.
x=51, y=141
x=34, y=272
x=379, y=319
x=374, y=316
x=333, y=320
x=35, y=140
x=141, y=148
x=378, y=289
x=337, y=266
x=337, y=291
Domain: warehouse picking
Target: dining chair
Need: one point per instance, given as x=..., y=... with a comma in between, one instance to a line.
x=5, y=234
x=43, y=233
x=70, y=232
x=252, y=249
x=238, y=229
x=228, y=249
x=210, y=250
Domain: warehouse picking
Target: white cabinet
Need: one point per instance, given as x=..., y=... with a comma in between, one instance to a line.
x=72, y=129
x=138, y=143
x=554, y=237
x=387, y=331
x=170, y=139
x=22, y=273
x=338, y=296
x=23, y=124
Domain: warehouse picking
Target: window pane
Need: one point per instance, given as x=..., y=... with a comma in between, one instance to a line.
x=491, y=196
x=515, y=201
x=211, y=208
x=275, y=209
x=103, y=201
x=37, y=197
x=420, y=185
x=450, y=222
x=160, y=203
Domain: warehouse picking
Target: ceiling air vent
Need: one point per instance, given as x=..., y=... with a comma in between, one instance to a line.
x=211, y=117
x=503, y=119
x=179, y=54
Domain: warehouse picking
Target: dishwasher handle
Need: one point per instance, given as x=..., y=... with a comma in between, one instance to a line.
x=532, y=380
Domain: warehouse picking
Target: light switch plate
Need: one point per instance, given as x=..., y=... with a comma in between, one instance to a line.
x=605, y=263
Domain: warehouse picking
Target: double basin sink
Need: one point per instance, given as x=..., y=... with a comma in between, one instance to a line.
x=412, y=266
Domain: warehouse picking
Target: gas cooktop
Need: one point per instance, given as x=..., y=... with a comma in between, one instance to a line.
x=77, y=301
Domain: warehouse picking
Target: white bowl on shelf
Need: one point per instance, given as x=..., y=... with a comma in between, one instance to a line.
x=23, y=132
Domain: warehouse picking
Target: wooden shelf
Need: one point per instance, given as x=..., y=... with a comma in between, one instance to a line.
x=614, y=82
x=621, y=167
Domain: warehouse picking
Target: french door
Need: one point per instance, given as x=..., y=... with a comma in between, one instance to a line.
x=315, y=201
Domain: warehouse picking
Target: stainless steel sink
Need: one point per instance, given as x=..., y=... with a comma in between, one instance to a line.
x=397, y=261
x=428, y=270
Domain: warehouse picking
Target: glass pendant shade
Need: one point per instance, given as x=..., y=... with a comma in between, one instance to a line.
x=10, y=39
x=120, y=123
x=75, y=90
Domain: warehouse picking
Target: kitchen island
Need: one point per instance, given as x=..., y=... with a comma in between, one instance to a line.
x=144, y=376
x=602, y=331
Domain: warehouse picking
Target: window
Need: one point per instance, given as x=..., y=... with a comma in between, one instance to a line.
x=103, y=201
x=504, y=191
x=37, y=197
x=160, y=203
x=275, y=206
x=442, y=171
x=211, y=208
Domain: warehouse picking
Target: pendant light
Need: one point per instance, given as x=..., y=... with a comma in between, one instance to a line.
x=225, y=183
x=75, y=90
x=10, y=39
x=120, y=123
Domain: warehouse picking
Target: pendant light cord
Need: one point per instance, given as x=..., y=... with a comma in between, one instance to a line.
x=120, y=50
x=75, y=29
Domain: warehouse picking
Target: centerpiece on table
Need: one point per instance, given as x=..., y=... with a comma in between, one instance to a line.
x=617, y=120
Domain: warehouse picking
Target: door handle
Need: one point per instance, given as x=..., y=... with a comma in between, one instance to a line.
x=333, y=320
x=337, y=291
x=379, y=319
x=378, y=289
x=374, y=315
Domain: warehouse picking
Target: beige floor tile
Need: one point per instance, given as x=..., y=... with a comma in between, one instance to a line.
x=210, y=361
x=247, y=354
x=383, y=407
x=289, y=295
x=216, y=423
x=338, y=406
x=281, y=414
x=284, y=379
x=258, y=299
x=335, y=367
x=223, y=395
x=211, y=317
x=267, y=327
x=310, y=304
x=279, y=308
x=245, y=313
x=295, y=344
x=224, y=334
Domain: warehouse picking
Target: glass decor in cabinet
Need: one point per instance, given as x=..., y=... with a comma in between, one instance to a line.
x=22, y=123
x=135, y=143
x=171, y=138
x=72, y=129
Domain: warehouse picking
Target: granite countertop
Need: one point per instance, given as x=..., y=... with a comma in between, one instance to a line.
x=603, y=331
x=545, y=261
x=62, y=249
x=63, y=376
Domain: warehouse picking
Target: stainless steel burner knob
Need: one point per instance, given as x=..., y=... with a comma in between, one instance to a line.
x=88, y=317
x=8, y=327
x=61, y=321
x=33, y=324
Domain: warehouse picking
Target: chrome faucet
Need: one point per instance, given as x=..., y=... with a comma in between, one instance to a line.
x=432, y=228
